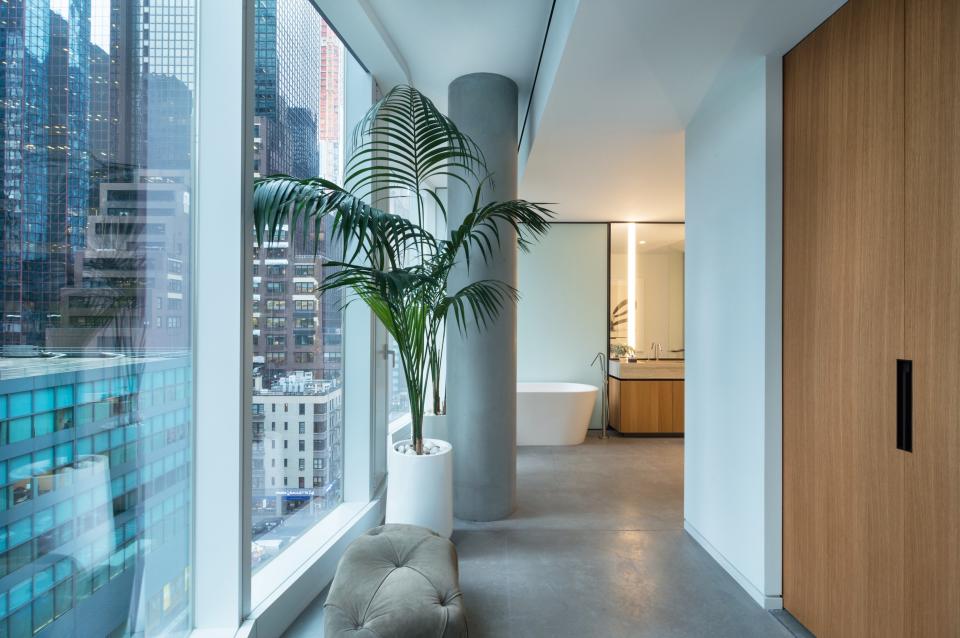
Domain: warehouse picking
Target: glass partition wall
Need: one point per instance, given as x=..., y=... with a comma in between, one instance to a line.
x=96, y=372
x=646, y=290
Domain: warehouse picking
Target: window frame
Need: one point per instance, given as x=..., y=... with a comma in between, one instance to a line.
x=221, y=594
x=228, y=599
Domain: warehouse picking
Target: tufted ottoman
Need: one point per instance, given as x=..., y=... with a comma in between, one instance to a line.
x=396, y=581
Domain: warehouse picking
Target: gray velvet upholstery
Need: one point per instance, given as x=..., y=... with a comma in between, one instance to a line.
x=396, y=581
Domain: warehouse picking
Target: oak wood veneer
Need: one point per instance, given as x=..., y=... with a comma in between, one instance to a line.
x=646, y=406
x=843, y=307
x=876, y=221
x=932, y=471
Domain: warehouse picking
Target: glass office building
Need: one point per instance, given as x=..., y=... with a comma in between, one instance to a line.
x=103, y=344
x=297, y=416
x=96, y=379
x=95, y=499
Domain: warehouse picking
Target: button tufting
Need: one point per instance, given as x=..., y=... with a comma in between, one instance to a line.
x=428, y=562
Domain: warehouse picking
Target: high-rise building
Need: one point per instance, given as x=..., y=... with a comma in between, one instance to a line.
x=86, y=100
x=287, y=329
x=163, y=79
x=297, y=333
x=140, y=226
x=96, y=114
x=331, y=124
x=94, y=494
x=43, y=114
x=297, y=459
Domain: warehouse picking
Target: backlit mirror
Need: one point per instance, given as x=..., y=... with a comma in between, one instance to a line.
x=646, y=290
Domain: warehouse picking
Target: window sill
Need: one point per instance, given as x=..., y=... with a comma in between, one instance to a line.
x=285, y=586
x=399, y=423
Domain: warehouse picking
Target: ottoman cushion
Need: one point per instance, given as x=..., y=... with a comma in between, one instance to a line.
x=396, y=580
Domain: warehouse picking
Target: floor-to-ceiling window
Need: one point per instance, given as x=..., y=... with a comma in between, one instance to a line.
x=97, y=127
x=297, y=411
x=105, y=356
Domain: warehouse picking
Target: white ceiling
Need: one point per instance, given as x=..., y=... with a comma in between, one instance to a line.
x=440, y=40
x=633, y=73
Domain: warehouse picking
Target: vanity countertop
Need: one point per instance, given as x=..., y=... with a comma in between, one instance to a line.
x=643, y=369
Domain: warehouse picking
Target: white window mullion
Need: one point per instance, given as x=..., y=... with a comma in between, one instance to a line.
x=224, y=189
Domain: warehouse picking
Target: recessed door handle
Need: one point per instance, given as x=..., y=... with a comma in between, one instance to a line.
x=905, y=405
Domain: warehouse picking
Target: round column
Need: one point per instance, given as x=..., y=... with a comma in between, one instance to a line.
x=482, y=366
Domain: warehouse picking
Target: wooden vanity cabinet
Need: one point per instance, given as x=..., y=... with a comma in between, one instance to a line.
x=613, y=394
x=647, y=406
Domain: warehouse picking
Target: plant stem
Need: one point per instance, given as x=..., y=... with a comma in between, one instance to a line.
x=414, y=372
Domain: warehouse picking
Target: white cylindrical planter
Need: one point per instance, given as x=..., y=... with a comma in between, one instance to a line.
x=420, y=488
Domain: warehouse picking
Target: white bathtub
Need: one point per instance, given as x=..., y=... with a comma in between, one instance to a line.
x=554, y=413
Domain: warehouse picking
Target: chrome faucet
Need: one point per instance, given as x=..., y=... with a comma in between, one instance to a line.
x=602, y=360
x=657, y=349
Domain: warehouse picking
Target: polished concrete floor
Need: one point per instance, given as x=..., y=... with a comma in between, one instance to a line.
x=595, y=548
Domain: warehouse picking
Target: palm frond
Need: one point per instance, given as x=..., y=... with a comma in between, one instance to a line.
x=393, y=265
x=281, y=201
x=403, y=143
x=480, y=300
x=481, y=229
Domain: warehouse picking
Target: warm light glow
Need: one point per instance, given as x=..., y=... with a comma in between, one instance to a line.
x=632, y=285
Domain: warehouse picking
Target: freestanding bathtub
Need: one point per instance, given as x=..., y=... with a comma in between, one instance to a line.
x=554, y=413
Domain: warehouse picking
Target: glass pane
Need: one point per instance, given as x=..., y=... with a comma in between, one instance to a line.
x=399, y=401
x=97, y=121
x=646, y=291
x=297, y=334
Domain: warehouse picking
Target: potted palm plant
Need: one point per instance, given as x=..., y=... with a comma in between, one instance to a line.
x=405, y=146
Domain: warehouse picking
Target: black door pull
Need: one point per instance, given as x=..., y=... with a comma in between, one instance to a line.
x=905, y=405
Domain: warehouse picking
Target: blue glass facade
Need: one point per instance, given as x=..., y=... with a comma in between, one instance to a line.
x=94, y=498
x=97, y=129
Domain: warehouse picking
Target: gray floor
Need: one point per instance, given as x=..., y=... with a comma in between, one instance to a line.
x=595, y=548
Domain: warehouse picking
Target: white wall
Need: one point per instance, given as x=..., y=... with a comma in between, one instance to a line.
x=732, y=455
x=561, y=317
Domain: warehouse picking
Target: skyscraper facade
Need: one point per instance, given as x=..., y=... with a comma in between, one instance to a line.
x=297, y=333
x=331, y=126
x=87, y=99
x=97, y=126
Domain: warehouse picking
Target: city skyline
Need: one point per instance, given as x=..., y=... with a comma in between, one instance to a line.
x=97, y=110
x=297, y=416
x=96, y=418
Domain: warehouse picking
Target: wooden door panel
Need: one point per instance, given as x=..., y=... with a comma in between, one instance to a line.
x=932, y=471
x=843, y=323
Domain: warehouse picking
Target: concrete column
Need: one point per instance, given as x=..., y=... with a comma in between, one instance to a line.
x=482, y=367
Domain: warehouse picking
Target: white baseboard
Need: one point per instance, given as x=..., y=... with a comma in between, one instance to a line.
x=767, y=602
